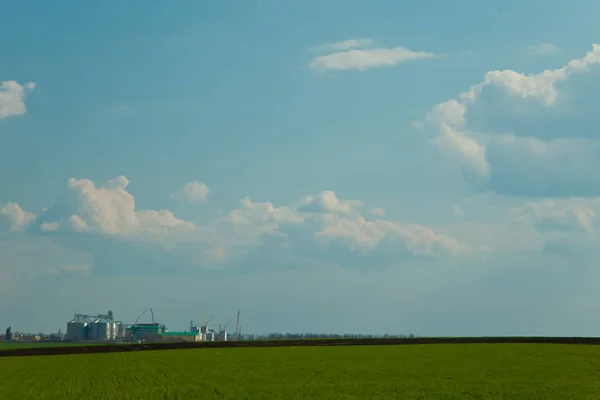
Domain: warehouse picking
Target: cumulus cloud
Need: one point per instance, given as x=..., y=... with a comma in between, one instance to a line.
x=526, y=135
x=343, y=45
x=18, y=218
x=328, y=202
x=193, y=191
x=109, y=209
x=12, y=98
x=378, y=212
x=50, y=226
x=543, y=49
x=363, y=235
x=567, y=226
x=337, y=225
x=102, y=220
x=348, y=55
x=576, y=215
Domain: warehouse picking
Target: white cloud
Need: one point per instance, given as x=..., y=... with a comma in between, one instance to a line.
x=110, y=210
x=458, y=211
x=193, y=191
x=12, y=98
x=18, y=218
x=346, y=56
x=363, y=235
x=567, y=226
x=343, y=45
x=566, y=215
x=50, y=226
x=334, y=221
x=378, y=212
x=521, y=134
x=328, y=202
x=543, y=49
x=83, y=268
x=251, y=213
x=323, y=228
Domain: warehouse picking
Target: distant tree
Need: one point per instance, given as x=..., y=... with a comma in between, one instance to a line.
x=313, y=335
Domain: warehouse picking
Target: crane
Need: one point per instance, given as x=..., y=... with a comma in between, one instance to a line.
x=138, y=318
x=228, y=322
x=207, y=321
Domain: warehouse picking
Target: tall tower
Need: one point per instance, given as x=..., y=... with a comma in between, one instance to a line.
x=237, y=325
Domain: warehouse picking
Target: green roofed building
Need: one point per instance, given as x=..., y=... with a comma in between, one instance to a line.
x=146, y=332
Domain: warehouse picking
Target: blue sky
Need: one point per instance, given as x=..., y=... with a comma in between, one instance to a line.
x=325, y=166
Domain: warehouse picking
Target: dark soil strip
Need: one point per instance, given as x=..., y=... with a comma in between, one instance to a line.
x=116, y=348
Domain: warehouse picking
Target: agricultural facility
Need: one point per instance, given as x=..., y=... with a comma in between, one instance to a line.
x=102, y=328
x=95, y=328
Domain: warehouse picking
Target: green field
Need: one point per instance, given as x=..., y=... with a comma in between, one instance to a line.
x=455, y=371
x=34, y=345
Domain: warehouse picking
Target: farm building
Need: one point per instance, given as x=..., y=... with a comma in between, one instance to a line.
x=180, y=337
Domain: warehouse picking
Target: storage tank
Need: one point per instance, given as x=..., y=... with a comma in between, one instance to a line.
x=92, y=329
x=121, y=331
x=113, y=330
x=102, y=329
x=76, y=330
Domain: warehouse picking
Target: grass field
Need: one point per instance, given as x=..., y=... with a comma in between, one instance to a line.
x=33, y=345
x=455, y=371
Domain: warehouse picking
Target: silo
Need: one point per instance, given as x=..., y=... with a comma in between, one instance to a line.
x=113, y=330
x=76, y=330
x=93, y=329
x=121, y=331
x=102, y=329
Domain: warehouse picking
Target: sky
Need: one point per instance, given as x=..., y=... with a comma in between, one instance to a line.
x=324, y=166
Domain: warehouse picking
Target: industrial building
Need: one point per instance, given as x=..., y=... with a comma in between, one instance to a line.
x=146, y=332
x=104, y=328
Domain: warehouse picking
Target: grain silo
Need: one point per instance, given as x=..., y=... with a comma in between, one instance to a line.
x=76, y=330
x=103, y=328
x=92, y=329
x=121, y=331
x=113, y=330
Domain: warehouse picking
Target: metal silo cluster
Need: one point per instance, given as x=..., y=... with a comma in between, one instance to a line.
x=95, y=328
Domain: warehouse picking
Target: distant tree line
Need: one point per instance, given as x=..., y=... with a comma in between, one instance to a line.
x=268, y=336
x=292, y=336
x=43, y=336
